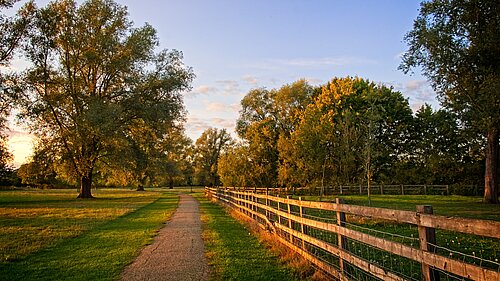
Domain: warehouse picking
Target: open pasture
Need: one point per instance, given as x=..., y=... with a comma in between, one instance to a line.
x=51, y=235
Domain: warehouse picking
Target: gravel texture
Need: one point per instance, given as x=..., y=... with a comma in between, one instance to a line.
x=177, y=252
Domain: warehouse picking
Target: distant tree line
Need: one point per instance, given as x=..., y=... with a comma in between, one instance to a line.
x=348, y=131
x=107, y=109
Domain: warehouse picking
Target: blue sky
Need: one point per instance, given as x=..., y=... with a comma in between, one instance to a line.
x=234, y=46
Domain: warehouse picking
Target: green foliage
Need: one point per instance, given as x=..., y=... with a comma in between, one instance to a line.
x=96, y=82
x=456, y=44
x=207, y=151
x=49, y=235
x=267, y=119
x=347, y=131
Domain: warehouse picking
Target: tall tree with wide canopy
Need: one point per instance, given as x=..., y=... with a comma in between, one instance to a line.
x=457, y=44
x=207, y=151
x=93, y=78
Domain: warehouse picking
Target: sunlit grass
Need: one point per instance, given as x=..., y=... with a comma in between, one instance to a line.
x=233, y=252
x=50, y=235
x=453, y=205
x=474, y=249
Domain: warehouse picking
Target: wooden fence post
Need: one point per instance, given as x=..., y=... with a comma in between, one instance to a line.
x=302, y=225
x=279, y=217
x=342, y=240
x=267, y=203
x=402, y=190
x=427, y=237
x=289, y=220
x=381, y=189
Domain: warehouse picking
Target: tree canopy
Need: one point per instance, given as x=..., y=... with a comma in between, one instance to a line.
x=345, y=132
x=96, y=83
x=456, y=43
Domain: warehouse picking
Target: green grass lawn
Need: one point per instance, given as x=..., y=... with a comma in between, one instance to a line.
x=478, y=250
x=50, y=235
x=233, y=252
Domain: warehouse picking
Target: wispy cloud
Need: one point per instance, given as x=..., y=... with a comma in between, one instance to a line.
x=229, y=87
x=236, y=107
x=201, y=90
x=314, y=81
x=272, y=64
x=416, y=85
x=196, y=126
x=216, y=107
x=250, y=80
x=419, y=93
x=225, y=123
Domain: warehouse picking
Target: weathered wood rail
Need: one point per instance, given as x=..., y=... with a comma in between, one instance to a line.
x=287, y=218
x=393, y=189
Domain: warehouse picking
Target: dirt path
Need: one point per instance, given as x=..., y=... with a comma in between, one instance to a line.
x=177, y=252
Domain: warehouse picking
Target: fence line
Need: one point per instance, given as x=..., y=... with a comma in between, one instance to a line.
x=360, y=189
x=303, y=227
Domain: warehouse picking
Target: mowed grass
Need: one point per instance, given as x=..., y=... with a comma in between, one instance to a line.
x=233, y=252
x=474, y=249
x=50, y=235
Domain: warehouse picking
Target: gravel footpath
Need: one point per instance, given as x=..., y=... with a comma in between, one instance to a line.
x=177, y=252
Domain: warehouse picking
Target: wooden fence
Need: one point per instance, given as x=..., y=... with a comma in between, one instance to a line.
x=393, y=189
x=329, y=235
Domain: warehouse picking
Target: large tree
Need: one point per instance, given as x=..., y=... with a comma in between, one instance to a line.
x=266, y=122
x=457, y=44
x=93, y=79
x=352, y=131
x=207, y=151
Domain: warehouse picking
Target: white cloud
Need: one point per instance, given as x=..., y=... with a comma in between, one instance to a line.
x=225, y=123
x=229, y=87
x=201, y=90
x=250, y=80
x=236, y=107
x=314, y=81
x=414, y=85
x=273, y=64
x=416, y=106
x=195, y=127
x=216, y=107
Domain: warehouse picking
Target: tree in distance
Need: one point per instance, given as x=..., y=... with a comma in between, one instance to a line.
x=457, y=44
x=94, y=80
x=207, y=151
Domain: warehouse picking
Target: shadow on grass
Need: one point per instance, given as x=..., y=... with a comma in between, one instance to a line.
x=99, y=254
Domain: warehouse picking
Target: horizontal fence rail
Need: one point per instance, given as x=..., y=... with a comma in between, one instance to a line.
x=394, y=189
x=334, y=237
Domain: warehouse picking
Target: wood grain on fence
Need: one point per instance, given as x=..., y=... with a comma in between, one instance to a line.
x=300, y=241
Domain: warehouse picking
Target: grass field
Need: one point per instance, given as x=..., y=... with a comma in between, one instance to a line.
x=50, y=235
x=478, y=250
x=233, y=252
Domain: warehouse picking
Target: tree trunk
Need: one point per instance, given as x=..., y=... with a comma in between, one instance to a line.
x=140, y=188
x=491, y=170
x=170, y=182
x=86, y=186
